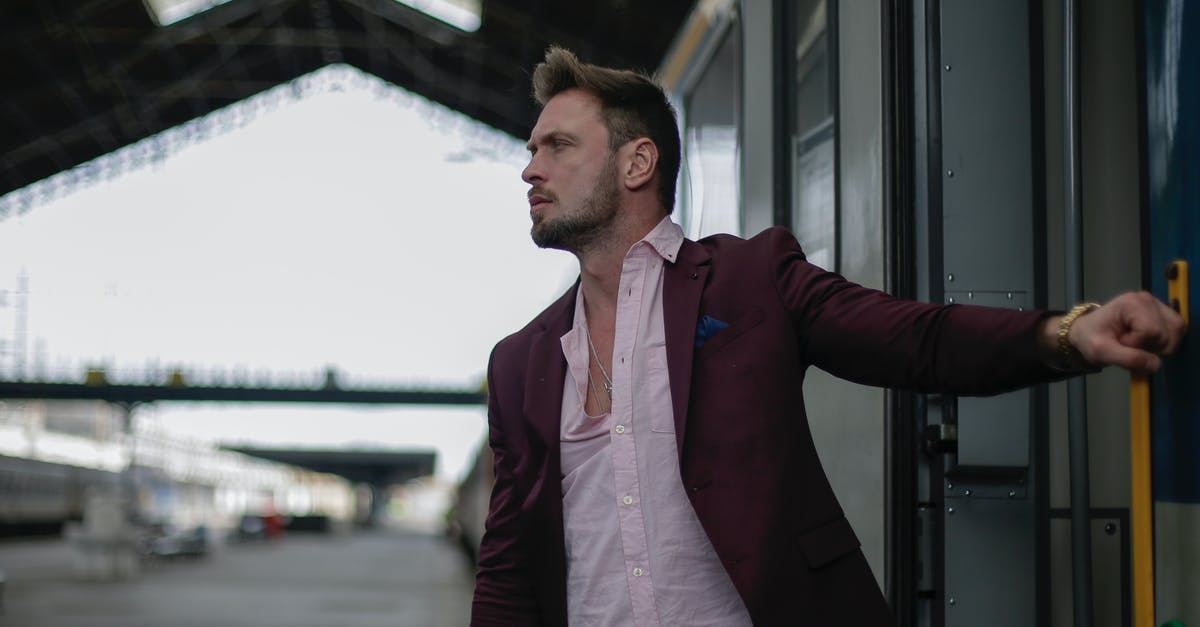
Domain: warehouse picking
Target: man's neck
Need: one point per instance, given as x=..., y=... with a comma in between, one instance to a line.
x=600, y=269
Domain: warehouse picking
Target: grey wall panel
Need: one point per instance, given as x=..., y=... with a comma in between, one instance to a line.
x=994, y=431
x=987, y=184
x=983, y=537
x=988, y=256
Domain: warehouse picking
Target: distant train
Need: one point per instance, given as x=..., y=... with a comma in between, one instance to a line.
x=470, y=511
x=37, y=497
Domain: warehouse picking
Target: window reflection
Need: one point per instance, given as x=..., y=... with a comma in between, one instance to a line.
x=711, y=146
x=814, y=203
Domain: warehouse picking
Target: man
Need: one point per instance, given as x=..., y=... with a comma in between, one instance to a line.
x=653, y=460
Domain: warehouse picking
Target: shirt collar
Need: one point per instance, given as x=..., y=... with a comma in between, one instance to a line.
x=666, y=238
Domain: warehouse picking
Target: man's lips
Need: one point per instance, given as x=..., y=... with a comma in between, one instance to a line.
x=537, y=200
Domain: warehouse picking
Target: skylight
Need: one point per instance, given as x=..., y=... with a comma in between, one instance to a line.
x=167, y=12
x=465, y=15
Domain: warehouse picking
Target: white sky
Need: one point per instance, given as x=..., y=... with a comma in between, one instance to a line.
x=342, y=228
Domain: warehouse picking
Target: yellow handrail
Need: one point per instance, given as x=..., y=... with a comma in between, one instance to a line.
x=1142, y=499
x=1141, y=503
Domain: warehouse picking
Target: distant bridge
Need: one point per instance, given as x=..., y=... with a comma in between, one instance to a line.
x=176, y=388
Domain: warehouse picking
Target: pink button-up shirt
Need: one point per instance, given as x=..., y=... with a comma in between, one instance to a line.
x=636, y=553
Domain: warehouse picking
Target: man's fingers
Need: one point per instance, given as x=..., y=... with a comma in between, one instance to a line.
x=1152, y=339
x=1150, y=324
x=1128, y=357
x=1131, y=331
x=1175, y=325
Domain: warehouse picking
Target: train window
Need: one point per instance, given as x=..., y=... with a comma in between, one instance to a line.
x=814, y=130
x=710, y=144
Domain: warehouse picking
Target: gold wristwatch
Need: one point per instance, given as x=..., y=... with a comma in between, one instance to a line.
x=1071, y=358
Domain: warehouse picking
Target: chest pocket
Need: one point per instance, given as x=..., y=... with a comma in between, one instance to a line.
x=657, y=392
x=725, y=336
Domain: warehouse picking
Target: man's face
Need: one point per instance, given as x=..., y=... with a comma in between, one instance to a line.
x=574, y=194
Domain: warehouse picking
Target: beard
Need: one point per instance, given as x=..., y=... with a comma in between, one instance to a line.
x=575, y=231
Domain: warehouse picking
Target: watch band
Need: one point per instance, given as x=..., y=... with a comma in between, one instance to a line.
x=1071, y=357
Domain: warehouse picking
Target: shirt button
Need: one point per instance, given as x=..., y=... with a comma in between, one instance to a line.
x=628, y=500
x=619, y=429
x=637, y=572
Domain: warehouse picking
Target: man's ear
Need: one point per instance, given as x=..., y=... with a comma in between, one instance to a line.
x=641, y=163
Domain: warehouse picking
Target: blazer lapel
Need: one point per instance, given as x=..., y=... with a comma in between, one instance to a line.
x=683, y=284
x=545, y=373
x=547, y=370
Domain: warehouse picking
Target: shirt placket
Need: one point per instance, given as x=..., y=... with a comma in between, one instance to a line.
x=635, y=550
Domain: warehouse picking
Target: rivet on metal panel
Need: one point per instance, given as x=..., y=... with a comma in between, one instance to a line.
x=950, y=173
x=950, y=277
x=950, y=510
x=970, y=294
x=967, y=492
x=952, y=601
x=947, y=67
x=949, y=486
x=950, y=300
x=1012, y=494
x=1110, y=529
x=1010, y=296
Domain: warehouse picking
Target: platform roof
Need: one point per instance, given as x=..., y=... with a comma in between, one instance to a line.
x=82, y=78
x=363, y=466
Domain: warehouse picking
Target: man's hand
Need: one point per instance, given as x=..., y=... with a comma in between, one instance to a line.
x=1132, y=330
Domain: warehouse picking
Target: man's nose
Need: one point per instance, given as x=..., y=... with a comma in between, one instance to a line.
x=532, y=174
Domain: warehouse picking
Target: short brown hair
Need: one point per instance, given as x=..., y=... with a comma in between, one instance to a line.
x=633, y=104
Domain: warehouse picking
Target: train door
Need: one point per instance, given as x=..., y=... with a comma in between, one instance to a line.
x=975, y=493
x=921, y=147
x=1012, y=115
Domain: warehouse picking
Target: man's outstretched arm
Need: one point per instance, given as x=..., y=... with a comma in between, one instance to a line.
x=1133, y=331
x=870, y=337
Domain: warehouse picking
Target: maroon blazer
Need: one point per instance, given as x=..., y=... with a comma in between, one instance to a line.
x=745, y=451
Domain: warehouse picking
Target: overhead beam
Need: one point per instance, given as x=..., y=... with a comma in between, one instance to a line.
x=128, y=394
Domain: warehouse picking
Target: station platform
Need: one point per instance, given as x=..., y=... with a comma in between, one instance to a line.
x=391, y=577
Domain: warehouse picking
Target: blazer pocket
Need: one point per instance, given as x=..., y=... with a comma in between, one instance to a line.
x=828, y=542
x=744, y=323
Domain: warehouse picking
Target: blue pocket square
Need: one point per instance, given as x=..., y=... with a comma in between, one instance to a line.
x=706, y=328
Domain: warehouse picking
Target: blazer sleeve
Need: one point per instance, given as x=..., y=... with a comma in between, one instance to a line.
x=870, y=337
x=504, y=590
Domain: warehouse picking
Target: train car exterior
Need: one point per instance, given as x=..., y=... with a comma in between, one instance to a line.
x=38, y=497
x=56, y=455
x=929, y=148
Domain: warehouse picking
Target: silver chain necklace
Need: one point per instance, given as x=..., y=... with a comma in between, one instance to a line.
x=608, y=384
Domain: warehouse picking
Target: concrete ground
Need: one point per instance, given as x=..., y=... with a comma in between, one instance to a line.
x=356, y=579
